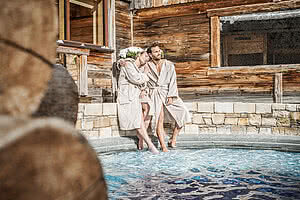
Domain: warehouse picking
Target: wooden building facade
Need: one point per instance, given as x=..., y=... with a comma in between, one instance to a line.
x=219, y=47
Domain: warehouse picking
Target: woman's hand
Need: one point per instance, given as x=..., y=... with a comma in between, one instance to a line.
x=122, y=62
x=146, y=69
x=143, y=94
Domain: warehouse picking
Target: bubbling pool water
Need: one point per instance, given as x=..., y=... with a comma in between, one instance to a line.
x=203, y=174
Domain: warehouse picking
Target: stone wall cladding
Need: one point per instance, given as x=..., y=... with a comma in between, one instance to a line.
x=99, y=120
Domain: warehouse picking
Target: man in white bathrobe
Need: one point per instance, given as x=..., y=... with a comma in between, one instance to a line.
x=164, y=96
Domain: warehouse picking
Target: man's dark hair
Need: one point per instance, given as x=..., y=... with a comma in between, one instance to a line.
x=155, y=44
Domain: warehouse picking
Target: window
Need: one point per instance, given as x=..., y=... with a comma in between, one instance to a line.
x=275, y=24
x=267, y=38
x=84, y=21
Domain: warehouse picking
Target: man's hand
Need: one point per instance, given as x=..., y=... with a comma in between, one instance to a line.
x=169, y=101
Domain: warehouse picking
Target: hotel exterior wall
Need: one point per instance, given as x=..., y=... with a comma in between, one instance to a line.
x=99, y=120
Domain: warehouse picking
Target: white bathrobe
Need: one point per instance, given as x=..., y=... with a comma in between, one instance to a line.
x=164, y=85
x=129, y=104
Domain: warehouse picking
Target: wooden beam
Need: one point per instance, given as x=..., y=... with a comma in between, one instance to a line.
x=80, y=45
x=96, y=3
x=277, y=88
x=131, y=27
x=215, y=41
x=113, y=45
x=100, y=30
x=83, y=76
x=61, y=14
x=267, y=15
x=105, y=31
x=86, y=2
x=265, y=51
x=70, y=50
x=83, y=4
x=109, y=24
x=263, y=7
x=225, y=50
x=68, y=20
x=95, y=26
x=254, y=70
x=112, y=30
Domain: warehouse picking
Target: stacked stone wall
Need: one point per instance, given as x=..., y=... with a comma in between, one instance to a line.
x=99, y=120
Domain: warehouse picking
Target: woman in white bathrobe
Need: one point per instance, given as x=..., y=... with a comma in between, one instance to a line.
x=130, y=82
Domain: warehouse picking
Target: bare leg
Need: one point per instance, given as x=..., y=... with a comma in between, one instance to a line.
x=160, y=130
x=147, y=118
x=141, y=142
x=141, y=132
x=172, y=141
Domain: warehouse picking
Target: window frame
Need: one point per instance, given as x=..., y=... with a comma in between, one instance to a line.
x=215, y=14
x=100, y=20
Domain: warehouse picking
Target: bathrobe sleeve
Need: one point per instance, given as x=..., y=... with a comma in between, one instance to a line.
x=173, y=91
x=134, y=75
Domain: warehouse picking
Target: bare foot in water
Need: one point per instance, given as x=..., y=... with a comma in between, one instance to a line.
x=141, y=144
x=164, y=149
x=154, y=150
x=172, y=143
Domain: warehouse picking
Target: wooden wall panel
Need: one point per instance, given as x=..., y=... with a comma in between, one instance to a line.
x=82, y=30
x=99, y=75
x=123, y=26
x=184, y=32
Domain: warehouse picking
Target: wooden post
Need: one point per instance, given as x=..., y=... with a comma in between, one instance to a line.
x=100, y=29
x=215, y=41
x=277, y=88
x=106, y=22
x=113, y=46
x=83, y=76
x=225, y=50
x=265, y=50
x=131, y=27
x=61, y=19
x=68, y=21
x=95, y=26
x=112, y=30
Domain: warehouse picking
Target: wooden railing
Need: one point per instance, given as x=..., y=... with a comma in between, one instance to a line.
x=276, y=71
x=88, y=58
x=82, y=66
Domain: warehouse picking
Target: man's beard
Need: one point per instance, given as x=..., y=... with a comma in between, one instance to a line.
x=157, y=58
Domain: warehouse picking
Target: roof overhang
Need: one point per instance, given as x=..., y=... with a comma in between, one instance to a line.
x=262, y=16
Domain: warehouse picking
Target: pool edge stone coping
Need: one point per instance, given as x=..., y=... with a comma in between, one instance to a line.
x=267, y=142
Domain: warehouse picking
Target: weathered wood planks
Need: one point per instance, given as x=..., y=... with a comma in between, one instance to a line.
x=123, y=36
x=186, y=32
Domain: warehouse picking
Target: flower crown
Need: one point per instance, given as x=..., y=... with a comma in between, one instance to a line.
x=131, y=52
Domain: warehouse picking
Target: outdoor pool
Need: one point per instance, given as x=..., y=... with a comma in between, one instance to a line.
x=212, y=173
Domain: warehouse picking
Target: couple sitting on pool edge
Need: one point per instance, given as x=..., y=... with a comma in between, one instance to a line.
x=147, y=89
